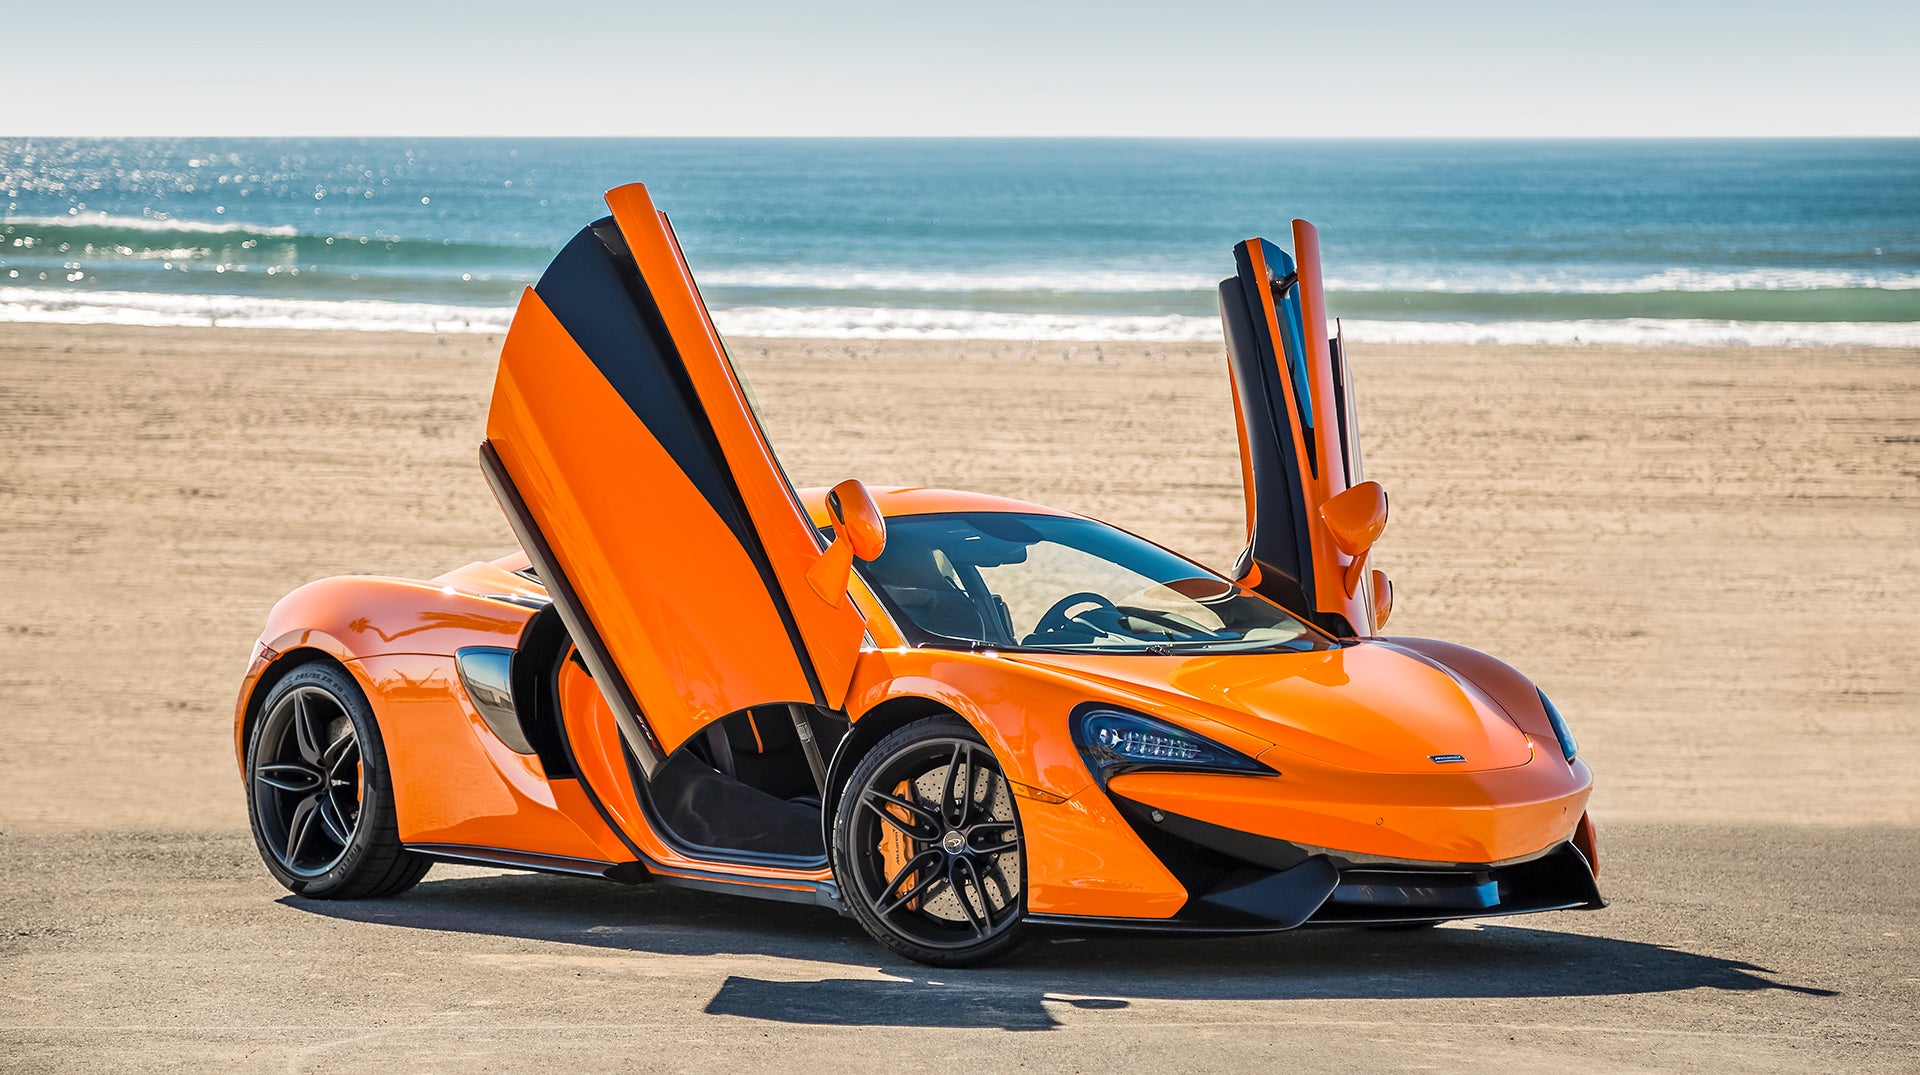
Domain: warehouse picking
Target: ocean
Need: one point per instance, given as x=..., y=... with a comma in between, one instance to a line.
x=1683, y=242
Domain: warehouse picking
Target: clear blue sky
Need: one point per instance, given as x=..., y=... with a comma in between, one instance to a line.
x=964, y=67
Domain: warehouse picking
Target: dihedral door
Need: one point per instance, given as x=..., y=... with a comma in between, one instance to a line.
x=1298, y=445
x=624, y=449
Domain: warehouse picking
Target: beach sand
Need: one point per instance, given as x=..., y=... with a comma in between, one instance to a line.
x=1708, y=557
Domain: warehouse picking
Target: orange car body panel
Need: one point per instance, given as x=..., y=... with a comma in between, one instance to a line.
x=667, y=583
x=1329, y=477
x=831, y=630
x=455, y=782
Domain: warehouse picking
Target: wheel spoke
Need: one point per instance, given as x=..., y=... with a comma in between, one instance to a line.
x=307, y=733
x=300, y=826
x=334, y=821
x=963, y=866
x=339, y=754
x=955, y=799
x=1008, y=898
x=992, y=837
x=883, y=804
x=928, y=876
x=294, y=778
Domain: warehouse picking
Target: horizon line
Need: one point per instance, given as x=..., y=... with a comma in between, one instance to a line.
x=1512, y=137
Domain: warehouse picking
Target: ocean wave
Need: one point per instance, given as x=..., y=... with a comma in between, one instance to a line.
x=46, y=305
x=866, y=323
x=1643, y=332
x=234, y=311
x=105, y=222
x=1467, y=280
x=108, y=237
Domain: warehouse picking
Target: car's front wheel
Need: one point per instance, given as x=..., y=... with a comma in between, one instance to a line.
x=927, y=848
x=319, y=794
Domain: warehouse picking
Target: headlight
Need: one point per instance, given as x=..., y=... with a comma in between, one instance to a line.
x=1559, y=723
x=1116, y=741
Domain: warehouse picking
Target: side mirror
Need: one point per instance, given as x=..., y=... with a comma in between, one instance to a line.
x=858, y=530
x=1382, y=598
x=858, y=519
x=1355, y=517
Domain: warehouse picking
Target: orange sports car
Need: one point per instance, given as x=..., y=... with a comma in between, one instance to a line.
x=954, y=717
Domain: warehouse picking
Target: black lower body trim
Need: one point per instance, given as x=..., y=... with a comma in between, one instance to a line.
x=506, y=858
x=819, y=893
x=1241, y=882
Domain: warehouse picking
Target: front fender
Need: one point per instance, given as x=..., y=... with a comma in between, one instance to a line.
x=1512, y=691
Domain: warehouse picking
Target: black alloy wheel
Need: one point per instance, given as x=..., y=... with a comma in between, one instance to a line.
x=927, y=848
x=318, y=792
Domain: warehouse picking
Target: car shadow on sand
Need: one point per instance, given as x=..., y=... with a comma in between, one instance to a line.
x=1098, y=971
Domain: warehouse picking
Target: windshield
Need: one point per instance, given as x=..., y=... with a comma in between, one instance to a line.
x=1056, y=583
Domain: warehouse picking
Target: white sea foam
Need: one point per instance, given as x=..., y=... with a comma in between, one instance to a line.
x=1644, y=331
x=864, y=323
x=153, y=224
x=1088, y=280
x=21, y=304
x=1465, y=281
x=230, y=311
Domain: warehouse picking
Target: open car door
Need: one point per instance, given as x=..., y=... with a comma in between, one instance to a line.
x=1311, y=516
x=623, y=448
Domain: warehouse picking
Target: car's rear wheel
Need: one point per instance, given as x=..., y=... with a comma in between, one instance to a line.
x=319, y=795
x=927, y=848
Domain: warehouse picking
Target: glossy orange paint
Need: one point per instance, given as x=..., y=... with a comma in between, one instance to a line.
x=454, y=781
x=1341, y=725
x=664, y=579
x=1439, y=817
x=352, y=617
x=830, y=628
x=1329, y=478
x=1587, y=839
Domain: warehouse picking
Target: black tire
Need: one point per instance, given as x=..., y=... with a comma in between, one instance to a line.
x=319, y=794
x=933, y=870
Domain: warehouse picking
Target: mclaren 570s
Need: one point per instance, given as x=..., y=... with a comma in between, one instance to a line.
x=958, y=719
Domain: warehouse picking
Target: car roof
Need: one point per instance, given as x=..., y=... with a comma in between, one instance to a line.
x=895, y=501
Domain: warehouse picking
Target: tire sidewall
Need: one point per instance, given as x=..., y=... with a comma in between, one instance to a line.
x=376, y=802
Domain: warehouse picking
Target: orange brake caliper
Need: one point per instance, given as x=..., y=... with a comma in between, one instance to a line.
x=893, y=845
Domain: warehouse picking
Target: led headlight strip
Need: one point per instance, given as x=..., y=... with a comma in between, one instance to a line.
x=1116, y=740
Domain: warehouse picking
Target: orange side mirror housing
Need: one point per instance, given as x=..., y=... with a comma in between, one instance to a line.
x=857, y=518
x=858, y=530
x=1355, y=517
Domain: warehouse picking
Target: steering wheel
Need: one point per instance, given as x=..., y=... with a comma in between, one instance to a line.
x=1056, y=618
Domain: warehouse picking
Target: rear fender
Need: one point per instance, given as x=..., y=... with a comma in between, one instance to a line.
x=350, y=618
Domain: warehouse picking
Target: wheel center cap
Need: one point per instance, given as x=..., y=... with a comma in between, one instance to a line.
x=953, y=842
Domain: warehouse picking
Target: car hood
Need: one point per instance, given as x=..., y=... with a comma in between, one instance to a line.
x=1369, y=707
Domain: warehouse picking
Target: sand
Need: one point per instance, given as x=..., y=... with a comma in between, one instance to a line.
x=1708, y=557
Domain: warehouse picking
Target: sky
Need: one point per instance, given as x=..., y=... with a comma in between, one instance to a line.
x=1224, y=68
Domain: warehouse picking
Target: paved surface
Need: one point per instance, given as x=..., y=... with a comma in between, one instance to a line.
x=1726, y=949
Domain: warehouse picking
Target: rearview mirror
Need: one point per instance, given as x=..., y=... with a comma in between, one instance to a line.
x=858, y=530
